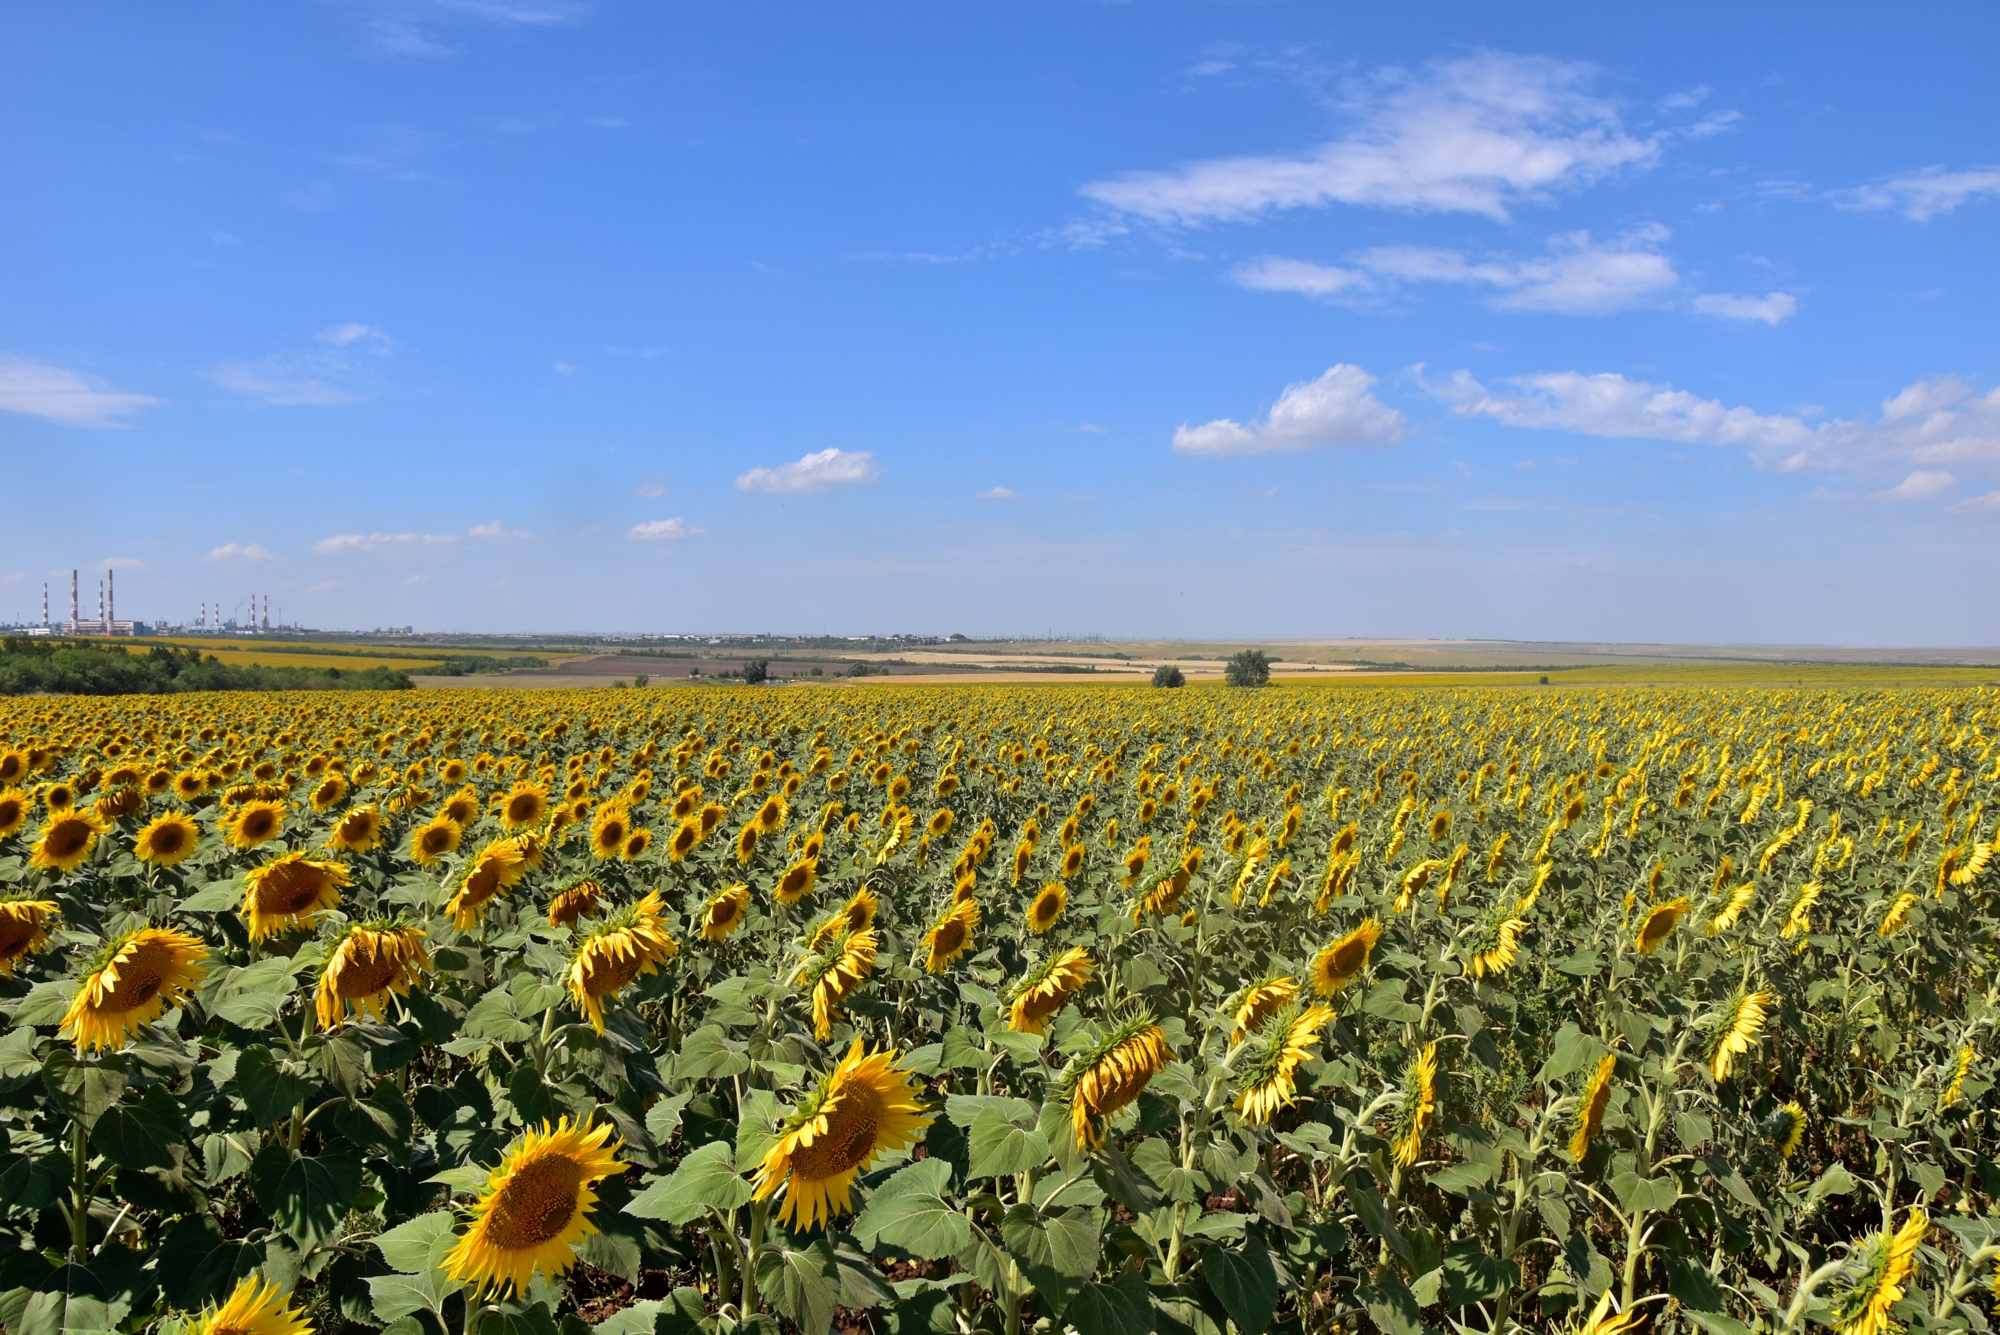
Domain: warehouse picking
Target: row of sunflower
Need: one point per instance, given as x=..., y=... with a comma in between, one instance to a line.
x=988, y=1009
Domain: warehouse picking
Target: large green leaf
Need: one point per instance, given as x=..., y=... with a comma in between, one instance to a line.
x=707, y=1178
x=1123, y=1308
x=143, y=1133
x=84, y=1086
x=270, y=1087
x=416, y=1244
x=306, y=1196
x=198, y=1265
x=1001, y=1146
x=909, y=1211
x=804, y=1284
x=1057, y=1252
x=1245, y=1282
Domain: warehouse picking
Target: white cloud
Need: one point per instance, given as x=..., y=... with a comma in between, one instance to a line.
x=1921, y=485
x=277, y=384
x=1336, y=409
x=348, y=334
x=251, y=552
x=496, y=531
x=1938, y=420
x=815, y=472
x=996, y=494
x=654, y=486
x=342, y=544
x=1771, y=308
x=1275, y=274
x=663, y=530
x=1987, y=504
x=1578, y=276
x=1477, y=135
x=1922, y=195
x=64, y=396
x=1613, y=406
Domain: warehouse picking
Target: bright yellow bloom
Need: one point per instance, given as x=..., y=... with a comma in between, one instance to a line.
x=1732, y=1037
x=358, y=831
x=288, y=892
x=835, y=973
x=1864, y=1308
x=257, y=1307
x=864, y=1108
x=535, y=1209
x=1419, y=1105
x=433, y=839
x=253, y=823
x=1046, y=989
x=24, y=930
x=1500, y=952
x=1659, y=925
x=629, y=944
x=1047, y=907
x=1272, y=1084
x=367, y=964
x=1259, y=1002
x=131, y=983
x=1590, y=1107
x=724, y=913
x=167, y=840
x=1100, y=1082
x=1335, y=967
x=950, y=936
x=67, y=840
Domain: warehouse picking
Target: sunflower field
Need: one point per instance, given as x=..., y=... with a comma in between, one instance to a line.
x=996, y=1009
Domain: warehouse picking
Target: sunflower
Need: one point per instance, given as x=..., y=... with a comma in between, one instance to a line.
x=771, y=817
x=608, y=829
x=433, y=839
x=1419, y=1105
x=1590, y=1107
x=1960, y=1065
x=535, y=1208
x=579, y=899
x=24, y=930
x=724, y=913
x=288, y=892
x=116, y=802
x=1864, y=1308
x=370, y=961
x=167, y=840
x=627, y=945
x=834, y=972
x=1047, y=907
x=1259, y=1002
x=253, y=823
x=1736, y=1030
x=1732, y=908
x=686, y=835
x=329, y=793
x=1112, y=1073
x=14, y=808
x=1047, y=988
x=131, y=982
x=746, y=845
x=856, y=915
x=59, y=797
x=189, y=785
x=1603, y=1321
x=66, y=841
x=951, y=935
x=1336, y=966
x=526, y=804
x=1788, y=1128
x=796, y=883
x=1659, y=925
x=1072, y=862
x=1898, y=914
x=356, y=832
x=1271, y=1083
x=865, y=1108
x=257, y=1307
x=1501, y=949
x=462, y=807
x=636, y=844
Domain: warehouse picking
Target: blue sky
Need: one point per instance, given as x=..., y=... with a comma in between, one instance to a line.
x=1183, y=319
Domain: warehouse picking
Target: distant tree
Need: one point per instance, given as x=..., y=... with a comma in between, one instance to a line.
x=756, y=671
x=1167, y=676
x=641, y=679
x=1249, y=668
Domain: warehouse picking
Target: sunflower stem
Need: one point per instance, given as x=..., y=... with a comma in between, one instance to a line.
x=79, y=1213
x=760, y=1211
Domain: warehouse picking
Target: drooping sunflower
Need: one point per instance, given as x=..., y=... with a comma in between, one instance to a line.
x=167, y=840
x=257, y=1307
x=288, y=892
x=358, y=831
x=796, y=883
x=1659, y=925
x=434, y=838
x=1419, y=1105
x=525, y=805
x=1110, y=1074
x=1960, y=1065
x=492, y=872
x=951, y=935
x=369, y=962
x=1887, y=1261
x=582, y=898
x=1736, y=1029
x=535, y=1209
x=724, y=913
x=1731, y=909
x=834, y=972
x=1259, y=1002
x=1047, y=988
x=24, y=930
x=1047, y=908
x=864, y=1108
x=131, y=982
x=1590, y=1107
x=114, y=803
x=253, y=823
x=1501, y=948
x=1788, y=1128
x=1898, y=914
x=14, y=808
x=67, y=840
x=1336, y=966
x=1270, y=1084
x=628, y=944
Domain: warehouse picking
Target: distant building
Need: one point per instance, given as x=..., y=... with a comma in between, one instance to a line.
x=94, y=627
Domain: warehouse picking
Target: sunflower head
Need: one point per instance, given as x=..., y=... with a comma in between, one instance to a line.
x=1885, y=1265
x=358, y=831
x=725, y=912
x=257, y=1307
x=629, y=943
x=796, y=883
x=1336, y=966
x=369, y=962
x=951, y=935
x=253, y=823
x=67, y=840
x=535, y=1209
x=24, y=925
x=289, y=892
x=116, y=802
x=130, y=983
x=14, y=808
x=167, y=840
x=434, y=839
x=1110, y=1074
x=1659, y=925
x=524, y=806
x=1047, y=988
x=1788, y=1128
x=864, y=1108
x=1419, y=1105
x=1047, y=907
x=835, y=971
x=1287, y=1038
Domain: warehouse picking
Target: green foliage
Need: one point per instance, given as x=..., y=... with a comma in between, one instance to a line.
x=1248, y=668
x=1168, y=676
x=83, y=667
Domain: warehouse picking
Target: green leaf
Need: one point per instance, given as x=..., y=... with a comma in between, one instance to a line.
x=213, y=898
x=964, y=1109
x=1001, y=1146
x=710, y=1054
x=1460, y=1178
x=46, y=1003
x=412, y=1246
x=492, y=1018
x=1572, y=1050
x=1123, y=1308
x=393, y=1296
x=909, y=1211
x=1056, y=1252
x=85, y=1087
x=1470, y=1275
x=141, y=1134
x=1122, y=1182
x=307, y=1197
x=270, y=1088
x=18, y=1062
x=705, y=1178
x=197, y=1265
x=516, y=1319
x=803, y=1285
x=756, y=1128
x=1245, y=1282
x=1392, y=1305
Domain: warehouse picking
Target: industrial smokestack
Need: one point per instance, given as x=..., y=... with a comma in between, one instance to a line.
x=110, y=600
x=75, y=613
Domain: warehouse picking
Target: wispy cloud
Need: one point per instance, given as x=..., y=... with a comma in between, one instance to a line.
x=323, y=377
x=1771, y=308
x=277, y=383
x=1921, y=485
x=353, y=334
x=1339, y=408
x=1480, y=134
x=60, y=395
x=495, y=531
x=1273, y=273
x=996, y=494
x=373, y=544
x=247, y=553
x=820, y=471
x=1923, y=195
x=663, y=530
